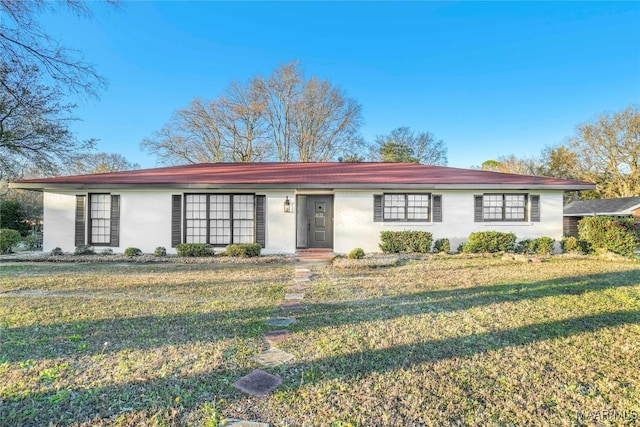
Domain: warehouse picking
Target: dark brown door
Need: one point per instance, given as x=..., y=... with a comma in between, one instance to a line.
x=320, y=221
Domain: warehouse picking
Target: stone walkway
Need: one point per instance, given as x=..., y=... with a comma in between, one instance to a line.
x=259, y=382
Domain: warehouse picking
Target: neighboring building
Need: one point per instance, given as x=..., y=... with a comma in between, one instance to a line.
x=289, y=206
x=575, y=211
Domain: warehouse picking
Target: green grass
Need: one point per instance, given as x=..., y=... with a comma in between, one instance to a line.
x=445, y=340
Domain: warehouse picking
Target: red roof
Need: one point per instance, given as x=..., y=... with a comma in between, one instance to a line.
x=252, y=175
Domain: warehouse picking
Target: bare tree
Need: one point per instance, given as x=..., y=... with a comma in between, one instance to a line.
x=88, y=163
x=404, y=145
x=283, y=117
x=34, y=123
x=608, y=152
x=24, y=42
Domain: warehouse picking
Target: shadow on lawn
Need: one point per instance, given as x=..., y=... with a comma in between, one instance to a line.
x=109, y=401
x=54, y=341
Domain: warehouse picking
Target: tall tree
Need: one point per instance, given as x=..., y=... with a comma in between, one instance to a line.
x=283, y=118
x=88, y=163
x=608, y=152
x=34, y=123
x=404, y=145
x=25, y=43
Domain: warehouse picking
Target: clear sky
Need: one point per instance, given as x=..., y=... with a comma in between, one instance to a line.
x=490, y=79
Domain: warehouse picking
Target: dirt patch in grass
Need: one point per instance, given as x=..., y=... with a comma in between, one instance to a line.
x=437, y=341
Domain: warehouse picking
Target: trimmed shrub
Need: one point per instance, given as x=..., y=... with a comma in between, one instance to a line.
x=357, y=253
x=84, y=250
x=193, y=249
x=539, y=246
x=605, y=233
x=33, y=241
x=405, y=241
x=106, y=252
x=160, y=251
x=8, y=239
x=490, y=241
x=132, y=252
x=56, y=251
x=571, y=244
x=243, y=250
x=442, y=246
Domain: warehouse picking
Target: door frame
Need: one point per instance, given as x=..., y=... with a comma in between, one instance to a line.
x=303, y=225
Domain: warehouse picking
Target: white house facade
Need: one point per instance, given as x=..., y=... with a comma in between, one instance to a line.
x=286, y=207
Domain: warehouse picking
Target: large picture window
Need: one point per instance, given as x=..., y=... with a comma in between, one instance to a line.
x=100, y=219
x=504, y=207
x=219, y=219
x=406, y=207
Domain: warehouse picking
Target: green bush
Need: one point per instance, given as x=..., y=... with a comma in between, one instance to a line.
x=8, y=239
x=193, y=249
x=442, y=246
x=106, y=252
x=33, y=241
x=539, y=246
x=56, y=251
x=357, y=253
x=160, y=251
x=84, y=250
x=405, y=241
x=605, y=233
x=132, y=252
x=490, y=241
x=243, y=250
x=571, y=244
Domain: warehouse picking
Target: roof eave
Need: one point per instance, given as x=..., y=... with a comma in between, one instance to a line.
x=395, y=186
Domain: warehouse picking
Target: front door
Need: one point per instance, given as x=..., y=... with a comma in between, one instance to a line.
x=318, y=221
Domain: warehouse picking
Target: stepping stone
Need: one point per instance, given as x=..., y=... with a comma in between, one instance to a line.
x=277, y=336
x=293, y=296
x=302, y=270
x=296, y=288
x=302, y=279
x=258, y=383
x=273, y=357
x=291, y=306
x=280, y=321
x=234, y=422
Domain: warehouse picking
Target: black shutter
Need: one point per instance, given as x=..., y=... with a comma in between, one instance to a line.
x=176, y=220
x=115, y=221
x=535, y=208
x=377, y=208
x=261, y=221
x=477, y=212
x=437, y=208
x=80, y=220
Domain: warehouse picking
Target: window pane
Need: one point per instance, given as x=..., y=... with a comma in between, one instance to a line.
x=220, y=206
x=492, y=207
x=394, y=206
x=514, y=207
x=418, y=206
x=100, y=217
x=243, y=231
x=243, y=206
x=220, y=231
x=196, y=206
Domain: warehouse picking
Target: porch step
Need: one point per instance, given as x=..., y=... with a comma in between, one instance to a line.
x=311, y=255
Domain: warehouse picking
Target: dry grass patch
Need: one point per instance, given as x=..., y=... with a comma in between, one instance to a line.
x=446, y=340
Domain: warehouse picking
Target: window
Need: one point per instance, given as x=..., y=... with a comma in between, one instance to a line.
x=504, y=207
x=100, y=219
x=219, y=219
x=406, y=207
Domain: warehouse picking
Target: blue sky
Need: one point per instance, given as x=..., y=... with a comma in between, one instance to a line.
x=490, y=79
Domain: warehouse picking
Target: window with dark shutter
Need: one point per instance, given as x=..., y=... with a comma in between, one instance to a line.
x=377, y=208
x=115, y=221
x=261, y=222
x=437, y=208
x=477, y=212
x=535, y=207
x=176, y=220
x=80, y=220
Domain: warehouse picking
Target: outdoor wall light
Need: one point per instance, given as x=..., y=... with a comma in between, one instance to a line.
x=287, y=204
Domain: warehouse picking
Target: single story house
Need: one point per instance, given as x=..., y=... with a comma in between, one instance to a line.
x=575, y=211
x=286, y=207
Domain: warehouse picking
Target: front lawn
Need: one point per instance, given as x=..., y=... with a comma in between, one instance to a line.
x=446, y=340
